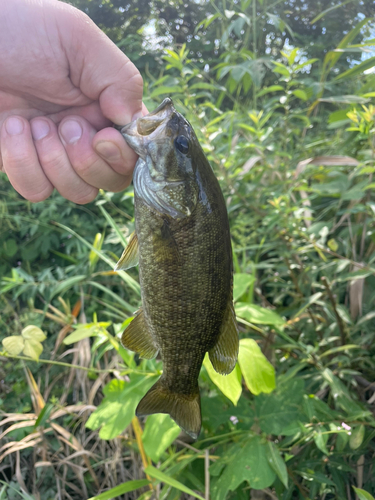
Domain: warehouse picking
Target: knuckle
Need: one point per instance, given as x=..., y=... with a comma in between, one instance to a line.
x=86, y=196
x=84, y=165
x=120, y=186
x=41, y=195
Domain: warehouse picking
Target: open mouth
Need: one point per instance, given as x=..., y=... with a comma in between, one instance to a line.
x=148, y=124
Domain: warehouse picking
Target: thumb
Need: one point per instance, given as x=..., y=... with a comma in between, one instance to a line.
x=100, y=69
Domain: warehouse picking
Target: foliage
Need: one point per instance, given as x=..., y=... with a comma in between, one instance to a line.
x=291, y=140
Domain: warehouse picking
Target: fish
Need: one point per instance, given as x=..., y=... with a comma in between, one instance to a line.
x=183, y=247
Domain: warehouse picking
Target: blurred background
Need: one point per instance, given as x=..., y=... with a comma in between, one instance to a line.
x=281, y=95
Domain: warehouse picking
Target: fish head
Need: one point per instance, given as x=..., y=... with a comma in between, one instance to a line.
x=164, y=176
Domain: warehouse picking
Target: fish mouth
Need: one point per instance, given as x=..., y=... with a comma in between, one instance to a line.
x=146, y=129
x=146, y=125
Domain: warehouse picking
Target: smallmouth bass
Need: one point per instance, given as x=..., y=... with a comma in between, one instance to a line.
x=182, y=242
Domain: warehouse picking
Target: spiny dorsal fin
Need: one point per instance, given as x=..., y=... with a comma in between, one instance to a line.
x=129, y=257
x=184, y=409
x=138, y=338
x=224, y=355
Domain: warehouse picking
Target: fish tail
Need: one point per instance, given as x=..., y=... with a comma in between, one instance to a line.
x=184, y=409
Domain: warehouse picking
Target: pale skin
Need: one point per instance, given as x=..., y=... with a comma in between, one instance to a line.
x=63, y=84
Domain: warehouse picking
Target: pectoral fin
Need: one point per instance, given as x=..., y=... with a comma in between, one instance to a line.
x=129, y=257
x=224, y=355
x=138, y=338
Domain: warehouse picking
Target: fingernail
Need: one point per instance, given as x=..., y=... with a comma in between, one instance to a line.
x=39, y=129
x=137, y=115
x=71, y=131
x=108, y=151
x=14, y=126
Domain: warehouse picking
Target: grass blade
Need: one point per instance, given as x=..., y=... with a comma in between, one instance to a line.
x=157, y=474
x=121, y=489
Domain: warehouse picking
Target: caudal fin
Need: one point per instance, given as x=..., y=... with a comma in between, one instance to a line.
x=184, y=410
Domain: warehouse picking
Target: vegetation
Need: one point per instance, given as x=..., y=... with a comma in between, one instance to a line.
x=290, y=135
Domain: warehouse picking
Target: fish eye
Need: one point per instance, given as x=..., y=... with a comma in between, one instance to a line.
x=182, y=144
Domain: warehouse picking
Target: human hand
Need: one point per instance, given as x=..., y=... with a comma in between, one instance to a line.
x=62, y=84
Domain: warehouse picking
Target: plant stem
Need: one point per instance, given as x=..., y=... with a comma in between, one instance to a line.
x=68, y=365
x=254, y=48
x=340, y=322
x=207, y=475
x=138, y=435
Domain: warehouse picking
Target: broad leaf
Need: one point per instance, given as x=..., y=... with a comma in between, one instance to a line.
x=241, y=283
x=13, y=344
x=81, y=333
x=159, y=433
x=257, y=371
x=117, y=409
x=279, y=413
x=230, y=385
x=357, y=436
x=243, y=461
x=258, y=315
x=362, y=494
x=33, y=332
x=33, y=349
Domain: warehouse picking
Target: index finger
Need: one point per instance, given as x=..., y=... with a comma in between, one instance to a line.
x=101, y=70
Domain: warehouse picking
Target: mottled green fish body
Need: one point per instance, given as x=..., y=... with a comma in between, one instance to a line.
x=182, y=241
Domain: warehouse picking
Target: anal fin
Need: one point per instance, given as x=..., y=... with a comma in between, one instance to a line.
x=129, y=257
x=138, y=338
x=224, y=355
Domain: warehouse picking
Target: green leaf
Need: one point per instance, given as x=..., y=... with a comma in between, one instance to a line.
x=333, y=245
x=33, y=349
x=332, y=57
x=243, y=461
x=357, y=69
x=362, y=494
x=279, y=413
x=229, y=385
x=357, y=436
x=81, y=333
x=241, y=283
x=257, y=371
x=341, y=440
x=117, y=408
x=123, y=275
x=121, y=489
x=258, y=315
x=340, y=348
x=345, y=99
x=267, y=90
x=301, y=94
x=277, y=463
x=114, y=226
x=10, y=247
x=158, y=474
x=66, y=284
x=165, y=90
x=311, y=300
x=322, y=14
x=13, y=344
x=159, y=433
x=33, y=332
x=321, y=441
